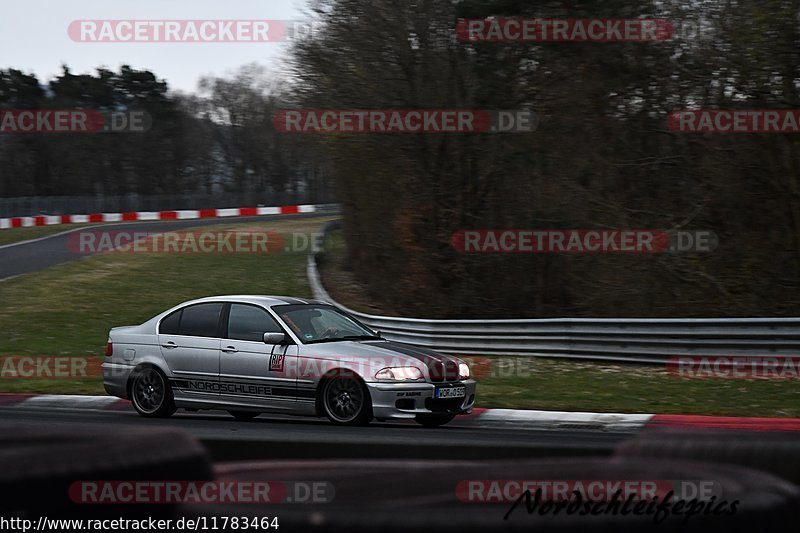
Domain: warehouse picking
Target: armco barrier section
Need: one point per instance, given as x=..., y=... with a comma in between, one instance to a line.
x=642, y=340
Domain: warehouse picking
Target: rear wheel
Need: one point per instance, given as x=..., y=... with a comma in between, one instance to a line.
x=346, y=400
x=244, y=415
x=151, y=394
x=433, y=421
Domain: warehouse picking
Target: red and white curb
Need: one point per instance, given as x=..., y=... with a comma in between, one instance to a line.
x=490, y=418
x=134, y=216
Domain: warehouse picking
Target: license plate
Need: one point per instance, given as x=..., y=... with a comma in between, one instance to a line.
x=451, y=392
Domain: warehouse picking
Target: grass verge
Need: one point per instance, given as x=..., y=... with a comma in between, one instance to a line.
x=566, y=385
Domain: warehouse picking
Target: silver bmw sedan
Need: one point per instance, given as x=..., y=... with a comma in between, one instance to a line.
x=254, y=354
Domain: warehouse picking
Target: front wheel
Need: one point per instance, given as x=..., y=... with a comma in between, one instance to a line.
x=433, y=421
x=151, y=394
x=346, y=401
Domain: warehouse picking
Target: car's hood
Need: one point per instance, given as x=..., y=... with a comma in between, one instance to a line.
x=381, y=348
x=376, y=355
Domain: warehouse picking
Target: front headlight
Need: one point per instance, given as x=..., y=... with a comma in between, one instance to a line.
x=463, y=371
x=400, y=373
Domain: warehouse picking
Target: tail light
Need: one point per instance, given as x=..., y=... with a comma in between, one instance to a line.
x=109, y=349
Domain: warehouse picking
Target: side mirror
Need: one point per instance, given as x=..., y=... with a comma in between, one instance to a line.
x=275, y=338
x=378, y=333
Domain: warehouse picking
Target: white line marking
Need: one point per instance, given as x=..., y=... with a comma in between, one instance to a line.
x=30, y=241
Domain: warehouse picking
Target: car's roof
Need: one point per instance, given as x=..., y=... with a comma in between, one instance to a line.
x=257, y=299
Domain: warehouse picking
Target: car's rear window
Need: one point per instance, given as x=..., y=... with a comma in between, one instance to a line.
x=200, y=320
x=170, y=324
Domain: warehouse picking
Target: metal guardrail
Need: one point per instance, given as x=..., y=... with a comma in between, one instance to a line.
x=641, y=340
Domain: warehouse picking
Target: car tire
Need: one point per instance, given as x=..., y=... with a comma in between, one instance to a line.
x=151, y=394
x=346, y=400
x=244, y=415
x=433, y=421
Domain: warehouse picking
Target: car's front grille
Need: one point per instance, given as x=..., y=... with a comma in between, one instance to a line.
x=447, y=371
x=450, y=371
x=436, y=370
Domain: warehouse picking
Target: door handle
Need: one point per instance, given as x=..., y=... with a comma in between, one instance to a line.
x=229, y=349
x=169, y=345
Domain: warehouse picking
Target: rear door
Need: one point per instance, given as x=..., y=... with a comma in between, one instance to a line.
x=190, y=342
x=253, y=373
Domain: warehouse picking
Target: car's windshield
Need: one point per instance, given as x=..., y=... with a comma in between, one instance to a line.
x=321, y=323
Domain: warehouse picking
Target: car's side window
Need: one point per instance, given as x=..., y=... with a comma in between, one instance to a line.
x=201, y=320
x=171, y=323
x=249, y=323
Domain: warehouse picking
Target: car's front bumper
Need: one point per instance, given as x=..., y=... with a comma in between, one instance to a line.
x=407, y=400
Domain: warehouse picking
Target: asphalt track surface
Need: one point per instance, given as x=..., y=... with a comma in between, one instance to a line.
x=38, y=254
x=286, y=437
